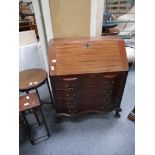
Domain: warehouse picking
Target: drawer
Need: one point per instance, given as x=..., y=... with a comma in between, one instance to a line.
x=64, y=94
x=95, y=103
x=66, y=110
x=67, y=107
x=66, y=82
x=88, y=91
x=101, y=79
x=83, y=104
x=93, y=80
x=87, y=80
x=67, y=102
x=94, y=90
x=92, y=100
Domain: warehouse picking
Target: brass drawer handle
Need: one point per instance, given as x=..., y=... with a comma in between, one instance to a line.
x=109, y=82
x=72, y=112
x=63, y=89
x=108, y=92
x=106, y=101
x=70, y=95
x=70, y=88
x=72, y=85
x=71, y=109
x=69, y=103
x=72, y=105
x=70, y=79
x=110, y=76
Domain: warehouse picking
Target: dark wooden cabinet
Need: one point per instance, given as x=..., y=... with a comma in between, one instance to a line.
x=87, y=74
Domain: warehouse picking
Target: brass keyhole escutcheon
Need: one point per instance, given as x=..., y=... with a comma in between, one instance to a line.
x=87, y=45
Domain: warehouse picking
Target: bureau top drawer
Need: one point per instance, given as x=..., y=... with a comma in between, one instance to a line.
x=66, y=83
x=87, y=80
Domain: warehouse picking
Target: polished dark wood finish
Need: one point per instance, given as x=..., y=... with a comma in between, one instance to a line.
x=31, y=78
x=87, y=74
x=28, y=101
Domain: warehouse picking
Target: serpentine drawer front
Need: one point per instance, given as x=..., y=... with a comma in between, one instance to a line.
x=87, y=74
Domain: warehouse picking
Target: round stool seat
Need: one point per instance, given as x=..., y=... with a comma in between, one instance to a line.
x=31, y=79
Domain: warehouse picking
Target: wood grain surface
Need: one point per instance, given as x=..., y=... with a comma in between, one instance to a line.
x=31, y=78
x=87, y=55
x=28, y=101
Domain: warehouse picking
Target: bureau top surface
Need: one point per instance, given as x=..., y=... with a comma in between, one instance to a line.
x=87, y=55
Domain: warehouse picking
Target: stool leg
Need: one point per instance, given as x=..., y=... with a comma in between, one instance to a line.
x=36, y=116
x=23, y=124
x=50, y=94
x=44, y=121
x=29, y=129
x=25, y=120
x=38, y=94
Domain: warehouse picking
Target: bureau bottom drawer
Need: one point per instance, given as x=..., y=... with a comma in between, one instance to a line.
x=76, y=110
x=66, y=110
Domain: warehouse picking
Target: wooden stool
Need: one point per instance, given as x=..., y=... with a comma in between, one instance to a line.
x=32, y=79
x=31, y=104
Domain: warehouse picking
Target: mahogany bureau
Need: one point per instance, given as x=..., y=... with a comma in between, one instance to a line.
x=87, y=74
